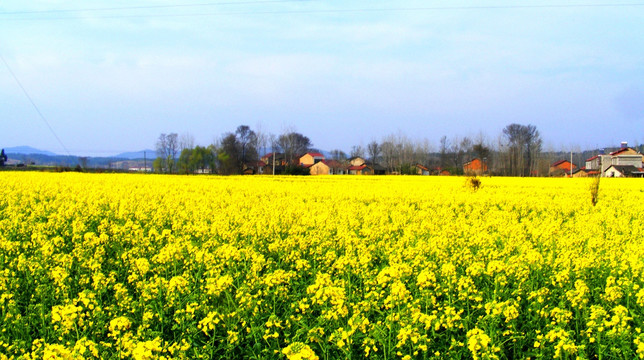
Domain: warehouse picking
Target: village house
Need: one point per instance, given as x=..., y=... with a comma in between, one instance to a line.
x=365, y=170
x=311, y=158
x=624, y=171
x=625, y=156
x=561, y=168
x=328, y=167
x=360, y=166
x=357, y=161
x=595, y=162
x=583, y=172
x=318, y=169
x=475, y=167
x=140, y=169
x=254, y=168
x=422, y=169
x=278, y=158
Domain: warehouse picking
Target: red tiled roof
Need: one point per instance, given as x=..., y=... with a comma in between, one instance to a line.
x=314, y=154
x=593, y=158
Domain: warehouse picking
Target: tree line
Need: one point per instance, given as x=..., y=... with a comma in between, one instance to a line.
x=228, y=155
x=517, y=152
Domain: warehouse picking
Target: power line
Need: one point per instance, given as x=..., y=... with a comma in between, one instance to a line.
x=34, y=104
x=26, y=12
x=331, y=11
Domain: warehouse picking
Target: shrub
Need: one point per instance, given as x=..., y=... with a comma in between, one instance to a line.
x=473, y=183
x=594, y=190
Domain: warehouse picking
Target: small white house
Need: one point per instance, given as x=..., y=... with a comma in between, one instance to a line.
x=623, y=171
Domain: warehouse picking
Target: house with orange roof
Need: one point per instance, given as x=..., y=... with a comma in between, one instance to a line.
x=561, y=168
x=366, y=169
x=475, y=167
x=422, y=169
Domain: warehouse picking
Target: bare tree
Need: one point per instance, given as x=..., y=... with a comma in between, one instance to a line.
x=167, y=147
x=374, y=150
x=357, y=151
x=186, y=141
x=523, y=145
x=424, y=153
x=388, y=150
x=406, y=149
x=272, y=141
x=444, y=151
x=294, y=144
x=465, y=150
x=247, y=141
x=481, y=151
x=261, y=139
x=338, y=155
x=454, y=153
x=173, y=149
x=229, y=155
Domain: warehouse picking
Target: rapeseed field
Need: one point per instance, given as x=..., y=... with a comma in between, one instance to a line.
x=198, y=267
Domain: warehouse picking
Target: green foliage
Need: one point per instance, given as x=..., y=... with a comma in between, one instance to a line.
x=455, y=170
x=296, y=170
x=408, y=169
x=157, y=165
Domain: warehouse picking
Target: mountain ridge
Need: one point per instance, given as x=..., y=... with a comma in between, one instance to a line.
x=27, y=150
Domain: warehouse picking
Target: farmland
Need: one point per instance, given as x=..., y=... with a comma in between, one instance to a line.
x=146, y=267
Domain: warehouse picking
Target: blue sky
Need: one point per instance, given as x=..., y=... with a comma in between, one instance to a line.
x=341, y=72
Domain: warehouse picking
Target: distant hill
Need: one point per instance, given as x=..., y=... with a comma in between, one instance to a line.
x=26, y=150
x=150, y=154
x=71, y=161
